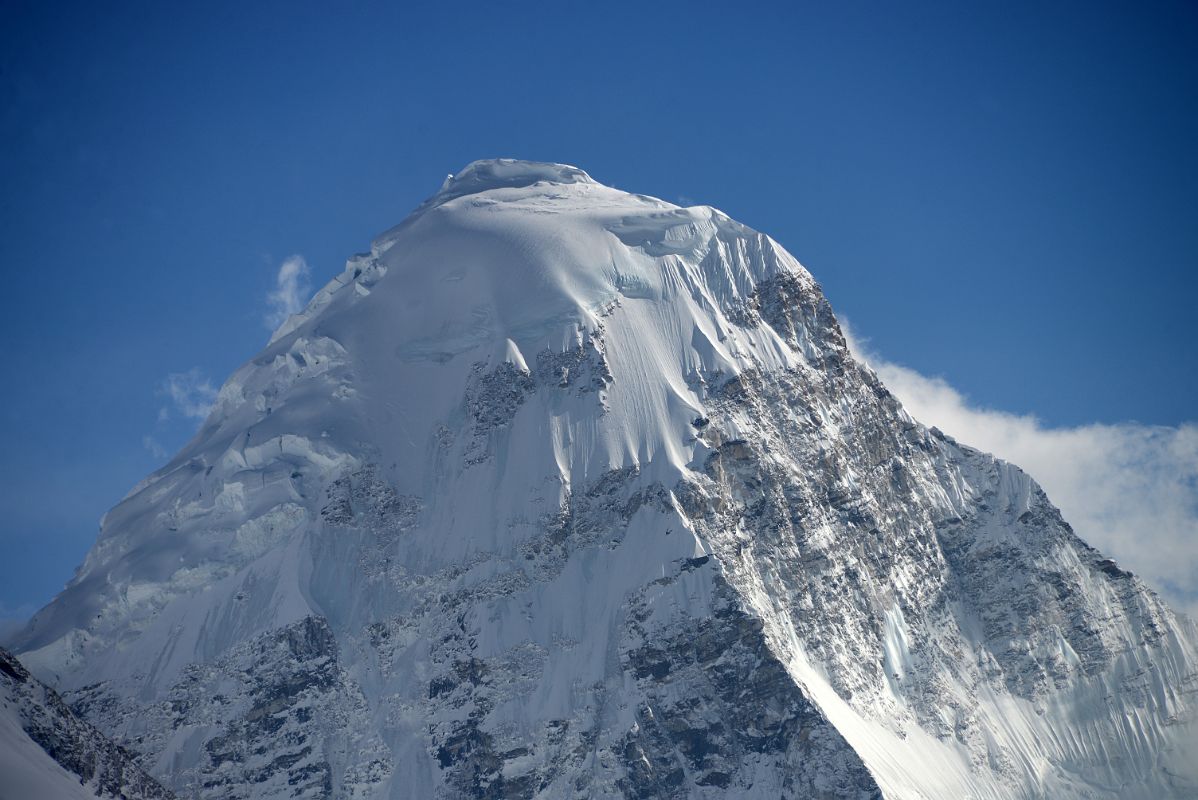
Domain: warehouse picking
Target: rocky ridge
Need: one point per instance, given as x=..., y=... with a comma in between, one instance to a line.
x=34, y=718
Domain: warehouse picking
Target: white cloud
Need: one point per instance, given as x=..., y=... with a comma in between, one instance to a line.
x=1130, y=490
x=290, y=293
x=191, y=395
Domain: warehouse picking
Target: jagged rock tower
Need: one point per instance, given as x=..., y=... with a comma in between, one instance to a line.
x=561, y=491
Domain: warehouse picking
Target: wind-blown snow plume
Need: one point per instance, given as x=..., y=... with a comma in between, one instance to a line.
x=290, y=292
x=1128, y=489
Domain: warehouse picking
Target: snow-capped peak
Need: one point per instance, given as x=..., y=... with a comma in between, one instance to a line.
x=505, y=173
x=565, y=491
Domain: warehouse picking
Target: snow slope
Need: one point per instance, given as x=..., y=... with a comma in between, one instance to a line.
x=27, y=771
x=564, y=491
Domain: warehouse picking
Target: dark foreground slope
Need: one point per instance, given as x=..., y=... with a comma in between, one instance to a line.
x=48, y=752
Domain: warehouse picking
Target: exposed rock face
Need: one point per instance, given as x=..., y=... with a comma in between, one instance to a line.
x=99, y=767
x=565, y=492
x=273, y=714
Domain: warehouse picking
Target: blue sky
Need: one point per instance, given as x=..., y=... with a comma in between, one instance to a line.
x=1002, y=194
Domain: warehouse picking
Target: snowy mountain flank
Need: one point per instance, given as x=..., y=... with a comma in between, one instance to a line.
x=566, y=492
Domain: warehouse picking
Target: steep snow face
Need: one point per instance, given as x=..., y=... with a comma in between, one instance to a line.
x=416, y=361
x=563, y=491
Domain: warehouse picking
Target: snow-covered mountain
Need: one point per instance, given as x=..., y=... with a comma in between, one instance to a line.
x=561, y=491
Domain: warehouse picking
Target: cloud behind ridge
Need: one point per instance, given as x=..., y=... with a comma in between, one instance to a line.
x=1130, y=490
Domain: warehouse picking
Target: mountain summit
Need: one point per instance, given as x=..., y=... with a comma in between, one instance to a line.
x=561, y=491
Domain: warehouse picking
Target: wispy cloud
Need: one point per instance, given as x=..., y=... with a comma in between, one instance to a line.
x=154, y=446
x=191, y=395
x=1130, y=490
x=290, y=293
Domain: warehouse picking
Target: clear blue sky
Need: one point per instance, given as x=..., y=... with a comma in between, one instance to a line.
x=1002, y=194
